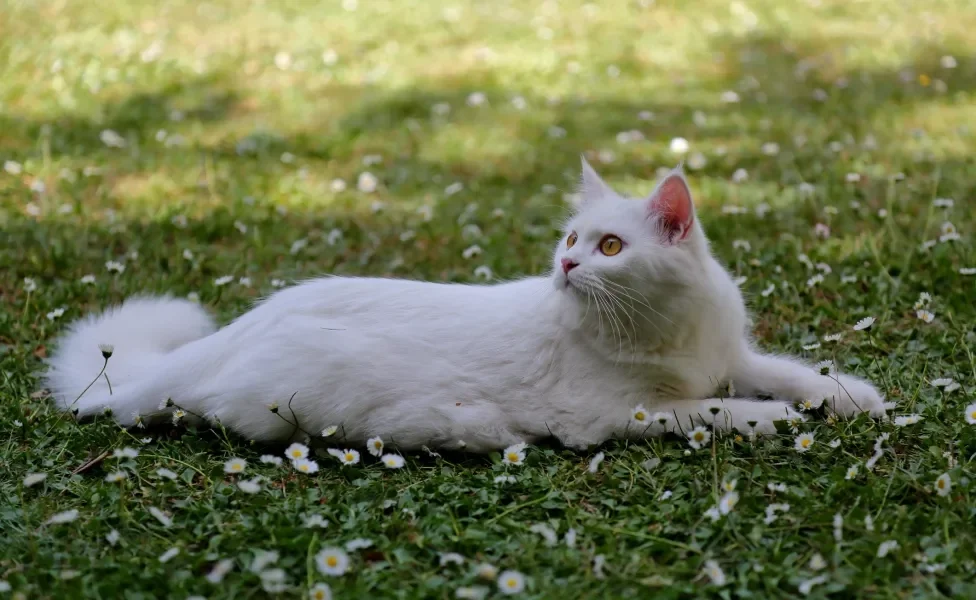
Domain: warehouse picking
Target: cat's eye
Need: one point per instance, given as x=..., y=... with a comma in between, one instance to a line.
x=571, y=240
x=611, y=245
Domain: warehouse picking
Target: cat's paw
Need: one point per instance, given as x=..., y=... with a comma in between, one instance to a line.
x=846, y=396
x=747, y=416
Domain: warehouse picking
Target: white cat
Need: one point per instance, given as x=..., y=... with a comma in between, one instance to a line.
x=635, y=312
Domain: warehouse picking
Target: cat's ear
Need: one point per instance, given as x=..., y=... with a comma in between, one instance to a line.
x=591, y=186
x=672, y=205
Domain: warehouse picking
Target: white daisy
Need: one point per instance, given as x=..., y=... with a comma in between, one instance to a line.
x=269, y=459
x=486, y=571
x=943, y=485
x=511, y=582
x=869, y=523
x=825, y=368
x=665, y=495
x=903, y=420
x=505, y=479
x=314, y=520
x=250, y=486
x=812, y=346
x=714, y=572
x=771, y=511
x=33, y=479
x=661, y=418
x=346, y=457
x=803, y=442
x=263, y=558
x=970, y=415
x=223, y=280
x=596, y=461
x=160, y=516
x=951, y=387
x=112, y=537
x=235, y=465
x=116, y=476
x=887, y=546
x=547, y=533
x=358, y=544
x=924, y=315
x=483, y=272
x=320, y=591
x=599, y=561
x=713, y=513
x=806, y=586
x=640, y=415
x=833, y=337
x=166, y=473
x=296, y=451
x=941, y=382
x=852, y=472
x=471, y=593
x=728, y=502
x=304, y=465
x=62, y=517
x=367, y=182
x=817, y=562
x=835, y=443
x=375, y=446
x=514, y=454
x=332, y=561
x=864, y=323
x=698, y=437
x=570, y=538
x=220, y=570
x=168, y=555
x=55, y=314
x=273, y=581
x=392, y=461
x=450, y=558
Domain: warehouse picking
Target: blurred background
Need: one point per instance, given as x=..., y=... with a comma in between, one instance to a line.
x=218, y=150
x=269, y=124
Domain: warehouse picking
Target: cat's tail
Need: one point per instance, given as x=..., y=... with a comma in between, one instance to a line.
x=135, y=339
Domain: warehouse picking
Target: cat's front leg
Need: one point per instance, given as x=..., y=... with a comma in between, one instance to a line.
x=789, y=379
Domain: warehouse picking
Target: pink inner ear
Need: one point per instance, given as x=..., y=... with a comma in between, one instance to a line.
x=672, y=203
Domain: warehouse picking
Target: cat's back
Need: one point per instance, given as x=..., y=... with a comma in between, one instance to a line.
x=396, y=301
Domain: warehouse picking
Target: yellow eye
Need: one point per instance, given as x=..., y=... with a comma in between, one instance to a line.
x=611, y=245
x=571, y=240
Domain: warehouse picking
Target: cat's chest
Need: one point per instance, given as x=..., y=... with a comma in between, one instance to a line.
x=648, y=378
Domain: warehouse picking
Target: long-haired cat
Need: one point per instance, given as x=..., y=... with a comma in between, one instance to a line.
x=636, y=312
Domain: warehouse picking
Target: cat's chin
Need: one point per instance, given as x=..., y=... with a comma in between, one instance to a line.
x=562, y=283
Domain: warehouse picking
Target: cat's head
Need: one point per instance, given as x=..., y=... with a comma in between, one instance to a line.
x=652, y=247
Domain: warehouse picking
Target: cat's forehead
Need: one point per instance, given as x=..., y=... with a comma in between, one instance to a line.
x=609, y=214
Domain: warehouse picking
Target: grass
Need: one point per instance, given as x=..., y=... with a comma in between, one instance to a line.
x=234, y=123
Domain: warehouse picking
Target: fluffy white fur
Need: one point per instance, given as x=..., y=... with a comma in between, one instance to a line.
x=569, y=354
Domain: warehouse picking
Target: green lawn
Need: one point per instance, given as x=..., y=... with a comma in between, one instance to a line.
x=274, y=141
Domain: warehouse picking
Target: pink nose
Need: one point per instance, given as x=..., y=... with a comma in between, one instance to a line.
x=568, y=265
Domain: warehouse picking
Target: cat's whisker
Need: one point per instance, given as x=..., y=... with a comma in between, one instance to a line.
x=633, y=327
x=633, y=310
x=629, y=291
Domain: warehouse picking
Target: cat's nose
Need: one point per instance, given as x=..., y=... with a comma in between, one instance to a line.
x=568, y=265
